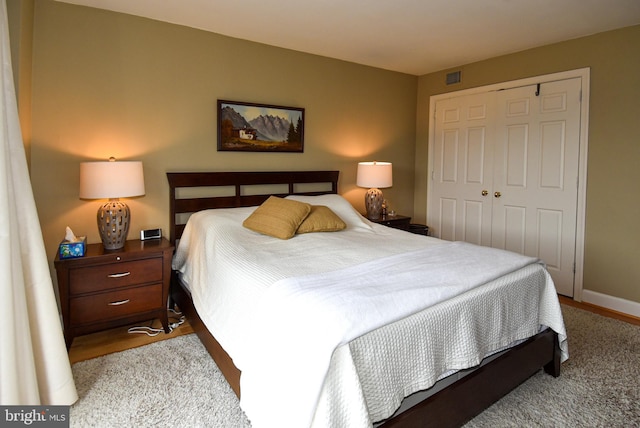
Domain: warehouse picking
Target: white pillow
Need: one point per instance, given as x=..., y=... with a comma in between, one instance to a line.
x=338, y=205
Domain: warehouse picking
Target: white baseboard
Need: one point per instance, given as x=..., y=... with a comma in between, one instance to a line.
x=614, y=303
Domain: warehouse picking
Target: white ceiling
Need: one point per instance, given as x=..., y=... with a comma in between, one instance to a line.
x=410, y=36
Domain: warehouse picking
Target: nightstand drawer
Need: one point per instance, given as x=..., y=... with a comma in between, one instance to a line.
x=116, y=304
x=105, y=277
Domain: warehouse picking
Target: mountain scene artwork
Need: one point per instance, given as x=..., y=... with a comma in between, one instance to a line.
x=259, y=127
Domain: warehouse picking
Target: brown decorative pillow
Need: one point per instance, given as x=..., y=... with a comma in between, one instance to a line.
x=278, y=217
x=321, y=219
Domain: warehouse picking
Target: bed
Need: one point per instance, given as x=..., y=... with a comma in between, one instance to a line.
x=412, y=368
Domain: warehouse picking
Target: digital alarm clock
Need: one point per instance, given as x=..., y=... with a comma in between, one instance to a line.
x=150, y=234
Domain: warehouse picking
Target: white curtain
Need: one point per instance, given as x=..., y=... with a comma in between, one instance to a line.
x=34, y=366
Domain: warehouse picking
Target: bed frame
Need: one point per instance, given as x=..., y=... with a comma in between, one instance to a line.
x=450, y=407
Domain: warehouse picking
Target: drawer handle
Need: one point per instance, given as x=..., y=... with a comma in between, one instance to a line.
x=121, y=302
x=119, y=275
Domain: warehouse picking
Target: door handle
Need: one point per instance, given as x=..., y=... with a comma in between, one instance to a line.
x=497, y=194
x=485, y=192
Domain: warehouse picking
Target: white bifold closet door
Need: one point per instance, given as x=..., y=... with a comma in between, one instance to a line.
x=505, y=172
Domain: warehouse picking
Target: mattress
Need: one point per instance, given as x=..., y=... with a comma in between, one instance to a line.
x=366, y=378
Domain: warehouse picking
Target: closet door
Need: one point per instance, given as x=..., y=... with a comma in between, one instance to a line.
x=535, y=175
x=505, y=171
x=462, y=169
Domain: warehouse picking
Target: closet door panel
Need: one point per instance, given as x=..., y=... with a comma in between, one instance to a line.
x=462, y=170
x=536, y=170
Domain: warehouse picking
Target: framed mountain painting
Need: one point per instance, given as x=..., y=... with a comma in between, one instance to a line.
x=250, y=127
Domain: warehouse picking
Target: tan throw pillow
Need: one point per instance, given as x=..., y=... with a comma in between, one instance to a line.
x=278, y=217
x=321, y=219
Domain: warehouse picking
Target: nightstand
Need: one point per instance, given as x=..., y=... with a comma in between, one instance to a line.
x=396, y=221
x=106, y=289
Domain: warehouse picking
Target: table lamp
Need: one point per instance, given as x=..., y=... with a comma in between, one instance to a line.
x=374, y=175
x=112, y=180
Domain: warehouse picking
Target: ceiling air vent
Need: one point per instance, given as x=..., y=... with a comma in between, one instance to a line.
x=453, y=77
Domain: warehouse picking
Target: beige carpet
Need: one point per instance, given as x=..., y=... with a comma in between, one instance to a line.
x=175, y=383
x=599, y=386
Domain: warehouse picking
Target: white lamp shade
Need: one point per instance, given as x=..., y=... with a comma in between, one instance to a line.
x=99, y=180
x=374, y=174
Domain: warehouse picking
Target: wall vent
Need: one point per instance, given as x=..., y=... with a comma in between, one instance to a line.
x=453, y=77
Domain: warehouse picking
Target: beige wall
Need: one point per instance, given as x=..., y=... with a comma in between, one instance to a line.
x=613, y=205
x=108, y=84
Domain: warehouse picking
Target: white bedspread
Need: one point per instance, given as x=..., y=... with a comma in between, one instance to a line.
x=227, y=267
x=307, y=318
x=409, y=355
x=249, y=288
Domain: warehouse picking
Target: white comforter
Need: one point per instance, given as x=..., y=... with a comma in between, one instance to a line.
x=303, y=298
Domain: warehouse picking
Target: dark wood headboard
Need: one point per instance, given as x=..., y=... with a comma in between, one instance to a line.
x=239, y=181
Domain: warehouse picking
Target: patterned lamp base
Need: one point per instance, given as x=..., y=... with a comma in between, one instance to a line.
x=113, y=224
x=373, y=203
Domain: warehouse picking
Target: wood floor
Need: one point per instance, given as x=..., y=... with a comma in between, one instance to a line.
x=600, y=311
x=118, y=339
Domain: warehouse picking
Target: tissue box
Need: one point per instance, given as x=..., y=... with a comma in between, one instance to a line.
x=70, y=250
